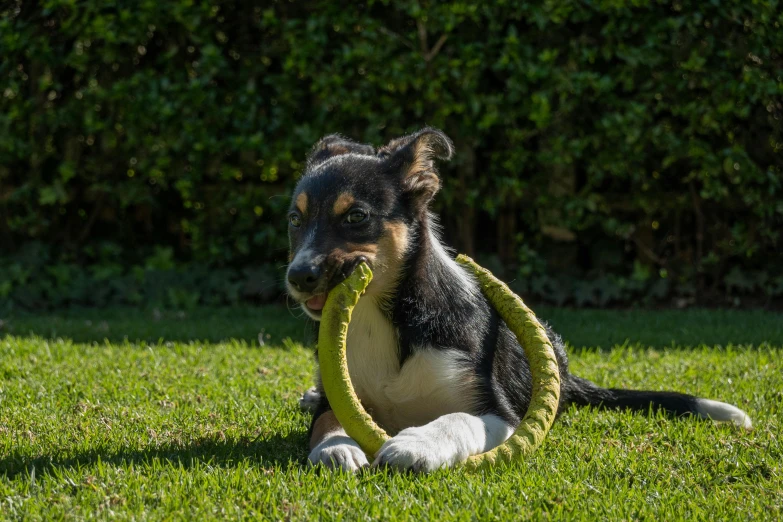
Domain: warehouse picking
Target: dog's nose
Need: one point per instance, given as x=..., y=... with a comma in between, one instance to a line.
x=304, y=277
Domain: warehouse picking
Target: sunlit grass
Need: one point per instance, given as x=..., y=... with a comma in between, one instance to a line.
x=173, y=427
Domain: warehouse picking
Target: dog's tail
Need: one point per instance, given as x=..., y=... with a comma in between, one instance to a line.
x=585, y=393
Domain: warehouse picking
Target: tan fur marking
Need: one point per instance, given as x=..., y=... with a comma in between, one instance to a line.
x=351, y=252
x=363, y=248
x=342, y=203
x=422, y=157
x=421, y=174
x=326, y=424
x=301, y=202
x=388, y=261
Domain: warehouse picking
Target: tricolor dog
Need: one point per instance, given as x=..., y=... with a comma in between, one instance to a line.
x=429, y=358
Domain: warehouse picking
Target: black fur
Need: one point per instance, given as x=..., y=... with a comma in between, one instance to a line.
x=431, y=309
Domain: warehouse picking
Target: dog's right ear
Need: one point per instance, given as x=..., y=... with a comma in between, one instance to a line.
x=335, y=145
x=413, y=157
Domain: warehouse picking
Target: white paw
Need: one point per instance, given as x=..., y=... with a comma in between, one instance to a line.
x=339, y=452
x=309, y=400
x=416, y=449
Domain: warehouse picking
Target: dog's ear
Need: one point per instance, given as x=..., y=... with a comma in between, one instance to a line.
x=335, y=145
x=413, y=158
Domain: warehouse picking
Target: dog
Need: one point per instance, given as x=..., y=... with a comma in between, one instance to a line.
x=429, y=358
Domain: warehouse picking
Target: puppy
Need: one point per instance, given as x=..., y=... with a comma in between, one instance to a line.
x=429, y=358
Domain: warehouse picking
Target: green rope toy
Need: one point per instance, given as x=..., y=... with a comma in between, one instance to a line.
x=358, y=424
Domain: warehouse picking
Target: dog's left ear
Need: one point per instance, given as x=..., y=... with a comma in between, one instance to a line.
x=413, y=158
x=335, y=145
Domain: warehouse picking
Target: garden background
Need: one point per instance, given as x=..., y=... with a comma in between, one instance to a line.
x=608, y=152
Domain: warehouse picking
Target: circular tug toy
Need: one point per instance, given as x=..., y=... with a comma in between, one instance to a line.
x=358, y=424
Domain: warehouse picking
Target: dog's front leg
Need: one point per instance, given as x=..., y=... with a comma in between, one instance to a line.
x=444, y=442
x=332, y=447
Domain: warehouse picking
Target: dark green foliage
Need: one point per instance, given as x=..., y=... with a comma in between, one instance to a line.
x=608, y=151
x=34, y=280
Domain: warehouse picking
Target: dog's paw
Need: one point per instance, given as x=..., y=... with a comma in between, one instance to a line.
x=309, y=400
x=339, y=452
x=416, y=449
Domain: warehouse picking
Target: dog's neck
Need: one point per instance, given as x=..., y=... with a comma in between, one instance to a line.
x=435, y=298
x=432, y=263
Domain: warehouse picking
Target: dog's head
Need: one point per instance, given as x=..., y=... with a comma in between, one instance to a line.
x=356, y=204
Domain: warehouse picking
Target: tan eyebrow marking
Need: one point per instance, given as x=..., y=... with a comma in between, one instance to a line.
x=342, y=203
x=301, y=202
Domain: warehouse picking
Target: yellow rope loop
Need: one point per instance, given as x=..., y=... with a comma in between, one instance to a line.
x=332, y=337
x=543, y=366
x=520, y=319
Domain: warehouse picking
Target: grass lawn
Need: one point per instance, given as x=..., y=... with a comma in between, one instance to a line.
x=145, y=415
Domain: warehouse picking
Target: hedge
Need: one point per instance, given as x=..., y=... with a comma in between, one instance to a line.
x=608, y=151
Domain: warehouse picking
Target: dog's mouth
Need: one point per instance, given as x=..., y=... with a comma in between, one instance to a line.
x=316, y=303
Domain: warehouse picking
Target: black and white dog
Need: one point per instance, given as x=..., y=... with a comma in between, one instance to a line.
x=429, y=358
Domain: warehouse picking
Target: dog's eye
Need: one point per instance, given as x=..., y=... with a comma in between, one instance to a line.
x=295, y=220
x=356, y=216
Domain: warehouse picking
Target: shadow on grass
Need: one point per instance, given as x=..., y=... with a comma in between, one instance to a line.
x=249, y=324
x=664, y=328
x=274, y=323
x=276, y=450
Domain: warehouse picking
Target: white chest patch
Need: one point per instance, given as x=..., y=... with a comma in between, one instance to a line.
x=431, y=383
